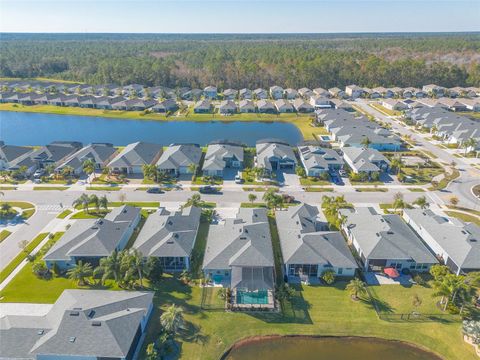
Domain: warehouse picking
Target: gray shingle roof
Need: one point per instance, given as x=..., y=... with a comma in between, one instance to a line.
x=385, y=236
x=83, y=323
x=178, y=155
x=459, y=240
x=303, y=241
x=168, y=233
x=12, y=152
x=318, y=157
x=242, y=241
x=98, y=153
x=267, y=150
x=94, y=237
x=217, y=153
x=136, y=154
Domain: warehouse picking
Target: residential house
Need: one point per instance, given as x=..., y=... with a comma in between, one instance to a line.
x=454, y=242
x=266, y=107
x=192, y=95
x=227, y=107
x=321, y=92
x=291, y=94
x=239, y=256
x=99, y=153
x=317, y=160
x=11, y=155
x=308, y=248
x=283, y=106
x=178, y=158
x=260, y=94
x=320, y=102
x=245, y=94
x=230, y=94
x=51, y=154
x=273, y=155
x=222, y=155
x=354, y=91
x=393, y=104
x=210, y=92
x=372, y=93
x=170, y=237
x=434, y=90
x=276, y=92
x=385, y=241
x=81, y=324
x=130, y=160
x=305, y=92
x=166, y=106
x=202, y=107
x=246, y=106
x=301, y=106
x=92, y=239
x=362, y=160
x=336, y=92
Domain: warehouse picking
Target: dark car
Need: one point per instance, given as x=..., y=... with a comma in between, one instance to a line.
x=208, y=190
x=155, y=190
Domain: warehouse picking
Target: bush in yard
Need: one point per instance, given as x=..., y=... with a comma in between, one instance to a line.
x=40, y=270
x=328, y=276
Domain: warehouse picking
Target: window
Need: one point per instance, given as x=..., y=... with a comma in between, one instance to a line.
x=340, y=271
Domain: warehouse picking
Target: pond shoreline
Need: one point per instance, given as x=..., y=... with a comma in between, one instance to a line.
x=261, y=338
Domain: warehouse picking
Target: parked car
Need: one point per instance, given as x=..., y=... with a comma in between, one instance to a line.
x=238, y=178
x=38, y=173
x=208, y=190
x=155, y=190
x=343, y=173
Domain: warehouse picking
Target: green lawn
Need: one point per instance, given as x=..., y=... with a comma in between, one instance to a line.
x=318, y=189
x=64, y=214
x=421, y=176
x=43, y=188
x=20, y=204
x=464, y=217
x=91, y=214
x=313, y=181
x=103, y=188
x=27, y=214
x=366, y=182
x=372, y=189
x=416, y=189
x=4, y=234
x=21, y=256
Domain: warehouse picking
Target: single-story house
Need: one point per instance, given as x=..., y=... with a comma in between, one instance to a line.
x=276, y=92
x=210, y=92
x=301, y=106
x=317, y=160
x=336, y=92
x=363, y=160
x=290, y=93
x=227, y=107
x=202, y=107
x=132, y=158
x=283, y=106
x=454, y=242
x=246, y=106
x=320, y=92
x=354, y=91
x=273, y=155
x=10, y=155
x=239, y=255
x=435, y=90
x=305, y=92
x=308, y=248
x=99, y=153
x=92, y=239
x=393, y=104
x=81, y=324
x=167, y=105
x=320, y=102
x=170, y=236
x=383, y=241
x=222, y=155
x=266, y=107
x=230, y=94
x=260, y=94
x=245, y=94
x=177, y=159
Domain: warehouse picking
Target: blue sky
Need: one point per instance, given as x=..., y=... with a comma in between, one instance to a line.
x=234, y=16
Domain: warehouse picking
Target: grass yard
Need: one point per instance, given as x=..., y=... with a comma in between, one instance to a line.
x=92, y=214
x=43, y=188
x=253, y=205
x=21, y=256
x=366, y=182
x=20, y=204
x=313, y=181
x=385, y=111
x=4, y=234
x=64, y=214
x=103, y=188
x=318, y=189
x=27, y=214
x=421, y=176
x=371, y=189
x=464, y=217
x=416, y=189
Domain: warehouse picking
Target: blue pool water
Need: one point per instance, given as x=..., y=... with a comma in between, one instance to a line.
x=252, y=297
x=38, y=129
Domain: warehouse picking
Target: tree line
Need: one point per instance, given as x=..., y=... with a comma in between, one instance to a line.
x=245, y=61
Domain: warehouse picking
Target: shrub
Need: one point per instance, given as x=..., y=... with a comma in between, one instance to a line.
x=328, y=276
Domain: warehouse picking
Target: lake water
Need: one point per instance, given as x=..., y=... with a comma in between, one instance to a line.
x=327, y=348
x=38, y=129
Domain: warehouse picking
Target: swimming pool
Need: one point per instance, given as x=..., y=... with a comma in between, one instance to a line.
x=252, y=297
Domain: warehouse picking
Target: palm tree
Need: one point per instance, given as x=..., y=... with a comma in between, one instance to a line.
x=89, y=167
x=172, y=319
x=192, y=168
x=83, y=200
x=422, y=202
x=80, y=272
x=67, y=171
x=94, y=200
x=397, y=164
x=366, y=142
x=110, y=267
x=356, y=287
x=103, y=202
x=470, y=143
x=139, y=264
x=195, y=200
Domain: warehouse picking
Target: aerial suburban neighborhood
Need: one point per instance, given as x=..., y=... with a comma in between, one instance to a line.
x=239, y=194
